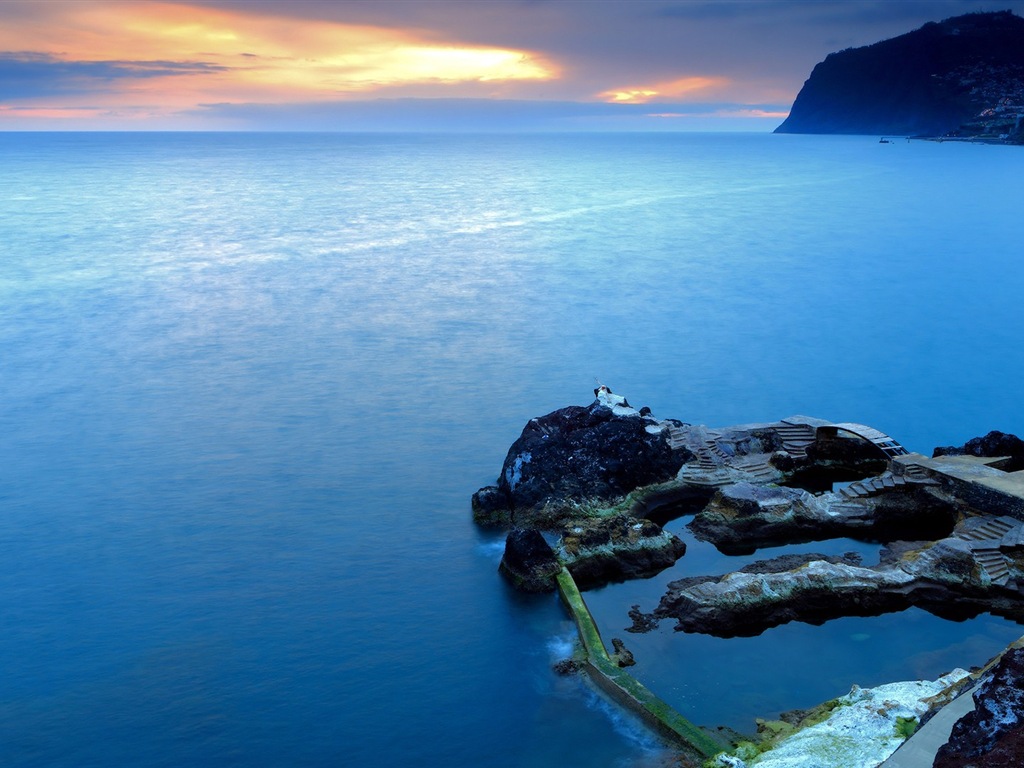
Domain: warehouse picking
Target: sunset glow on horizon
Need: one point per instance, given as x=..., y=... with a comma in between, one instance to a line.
x=682, y=88
x=424, y=64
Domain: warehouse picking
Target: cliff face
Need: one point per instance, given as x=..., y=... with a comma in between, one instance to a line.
x=932, y=81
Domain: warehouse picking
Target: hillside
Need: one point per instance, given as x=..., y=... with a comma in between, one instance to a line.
x=960, y=77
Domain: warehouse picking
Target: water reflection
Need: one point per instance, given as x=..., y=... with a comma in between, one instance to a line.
x=730, y=682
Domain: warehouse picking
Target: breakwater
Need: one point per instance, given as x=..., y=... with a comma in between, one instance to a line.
x=626, y=689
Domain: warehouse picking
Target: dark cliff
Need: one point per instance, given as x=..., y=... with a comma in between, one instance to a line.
x=932, y=81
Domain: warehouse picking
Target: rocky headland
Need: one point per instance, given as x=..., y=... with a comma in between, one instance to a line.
x=960, y=78
x=587, y=489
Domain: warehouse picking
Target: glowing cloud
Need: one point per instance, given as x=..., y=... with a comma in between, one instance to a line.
x=179, y=55
x=751, y=113
x=674, y=89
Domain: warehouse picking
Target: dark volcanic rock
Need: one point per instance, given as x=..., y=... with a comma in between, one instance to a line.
x=491, y=507
x=993, y=444
x=926, y=82
x=857, y=457
x=642, y=622
x=567, y=667
x=577, y=456
x=529, y=562
x=622, y=655
x=992, y=736
x=912, y=513
x=618, y=548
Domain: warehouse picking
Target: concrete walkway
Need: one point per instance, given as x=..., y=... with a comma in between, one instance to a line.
x=919, y=750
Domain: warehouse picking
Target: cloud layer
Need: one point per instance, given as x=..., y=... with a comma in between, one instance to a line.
x=116, y=63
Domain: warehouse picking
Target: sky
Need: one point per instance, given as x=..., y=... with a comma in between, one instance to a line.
x=452, y=65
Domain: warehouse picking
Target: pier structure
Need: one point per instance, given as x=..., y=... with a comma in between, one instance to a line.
x=626, y=689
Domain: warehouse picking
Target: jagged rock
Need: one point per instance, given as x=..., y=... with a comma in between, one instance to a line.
x=742, y=517
x=745, y=604
x=578, y=456
x=567, y=667
x=913, y=512
x=840, y=453
x=529, y=562
x=993, y=444
x=622, y=655
x=642, y=622
x=993, y=734
x=942, y=577
x=618, y=548
x=491, y=507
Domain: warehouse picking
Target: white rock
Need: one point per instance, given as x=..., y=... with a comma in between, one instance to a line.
x=861, y=732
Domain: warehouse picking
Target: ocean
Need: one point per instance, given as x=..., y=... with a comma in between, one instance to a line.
x=250, y=381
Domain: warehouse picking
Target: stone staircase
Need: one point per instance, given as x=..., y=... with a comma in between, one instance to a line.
x=862, y=489
x=676, y=437
x=994, y=563
x=795, y=438
x=991, y=531
x=708, y=470
x=914, y=472
x=758, y=467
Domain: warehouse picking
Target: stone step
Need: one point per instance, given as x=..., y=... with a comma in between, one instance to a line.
x=994, y=563
x=845, y=507
x=1005, y=526
x=855, y=490
x=795, y=438
x=714, y=448
x=990, y=530
x=872, y=485
x=760, y=473
x=711, y=479
x=914, y=472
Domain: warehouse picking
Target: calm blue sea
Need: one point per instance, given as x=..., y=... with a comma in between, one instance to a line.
x=249, y=382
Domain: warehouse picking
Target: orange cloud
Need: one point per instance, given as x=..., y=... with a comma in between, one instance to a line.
x=751, y=113
x=678, y=89
x=246, y=55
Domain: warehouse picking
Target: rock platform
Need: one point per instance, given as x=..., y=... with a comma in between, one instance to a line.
x=586, y=489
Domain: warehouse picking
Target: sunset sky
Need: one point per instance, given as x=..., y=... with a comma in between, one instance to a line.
x=428, y=64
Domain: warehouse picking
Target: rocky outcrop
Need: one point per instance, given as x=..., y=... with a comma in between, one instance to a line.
x=618, y=548
x=926, y=82
x=858, y=730
x=575, y=458
x=950, y=578
x=596, y=552
x=529, y=562
x=994, y=444
x=743, y=517
x=992, y=735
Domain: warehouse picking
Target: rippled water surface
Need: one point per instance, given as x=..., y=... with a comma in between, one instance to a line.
x=249, y=382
